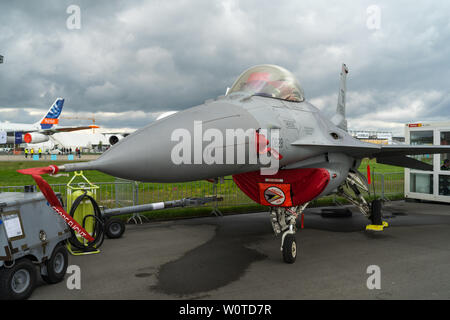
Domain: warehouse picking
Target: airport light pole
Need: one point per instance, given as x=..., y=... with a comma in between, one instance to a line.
x=1, y=61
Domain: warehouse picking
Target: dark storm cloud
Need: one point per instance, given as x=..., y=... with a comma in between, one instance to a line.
x=152, y=56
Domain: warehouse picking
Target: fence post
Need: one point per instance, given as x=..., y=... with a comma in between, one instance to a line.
x=115, y=194
x=135, y=193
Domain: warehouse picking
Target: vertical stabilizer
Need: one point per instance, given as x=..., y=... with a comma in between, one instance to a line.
x=51, y=117
x=339, y=119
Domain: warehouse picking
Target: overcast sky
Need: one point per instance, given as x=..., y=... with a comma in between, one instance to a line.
x=131, y=60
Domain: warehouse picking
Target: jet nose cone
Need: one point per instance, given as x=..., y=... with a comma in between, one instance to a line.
x=174, y=148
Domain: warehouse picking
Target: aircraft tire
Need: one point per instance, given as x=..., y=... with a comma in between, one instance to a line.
x=289, y=249
x=376, y=213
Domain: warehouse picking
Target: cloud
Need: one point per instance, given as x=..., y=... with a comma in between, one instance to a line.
x=155, y=56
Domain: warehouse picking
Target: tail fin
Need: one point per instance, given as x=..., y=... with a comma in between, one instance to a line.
x=51, y=118
x=339, y=119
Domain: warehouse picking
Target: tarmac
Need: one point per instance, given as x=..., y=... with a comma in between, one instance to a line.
x=238, y=257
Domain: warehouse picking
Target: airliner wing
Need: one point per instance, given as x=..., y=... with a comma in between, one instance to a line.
x=62, y=129
x=68, y=129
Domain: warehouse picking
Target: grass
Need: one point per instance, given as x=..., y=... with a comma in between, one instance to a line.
x=378, y=167
x=235, y=201
x=10, y=177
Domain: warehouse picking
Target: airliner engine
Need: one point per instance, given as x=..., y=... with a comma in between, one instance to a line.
x=115, y=138
x=35, y=137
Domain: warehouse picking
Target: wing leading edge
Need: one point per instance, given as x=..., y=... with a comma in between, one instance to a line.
x=386, y=154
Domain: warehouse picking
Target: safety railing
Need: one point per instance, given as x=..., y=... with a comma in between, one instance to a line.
x=122, y=193
x=140, y=193
x=386, y=185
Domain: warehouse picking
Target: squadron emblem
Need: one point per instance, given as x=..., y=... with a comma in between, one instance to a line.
x=275, y=196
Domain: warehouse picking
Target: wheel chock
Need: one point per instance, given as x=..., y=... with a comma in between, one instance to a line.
x=377, y=227
x=374, y=227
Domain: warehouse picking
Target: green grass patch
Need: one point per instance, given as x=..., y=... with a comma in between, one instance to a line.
x=10, y=177
x=235, y=201
x=378, y=167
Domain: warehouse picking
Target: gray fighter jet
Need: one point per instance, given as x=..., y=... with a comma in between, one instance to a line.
x=280, y=149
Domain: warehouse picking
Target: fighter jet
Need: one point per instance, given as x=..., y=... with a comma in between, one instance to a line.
x=281, y=150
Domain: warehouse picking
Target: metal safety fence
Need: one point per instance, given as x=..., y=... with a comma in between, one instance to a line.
x=121, y=193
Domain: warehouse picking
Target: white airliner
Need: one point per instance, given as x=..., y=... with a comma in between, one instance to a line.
x=40, y=131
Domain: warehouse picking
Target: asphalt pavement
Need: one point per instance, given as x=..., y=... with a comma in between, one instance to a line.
x=238, y=257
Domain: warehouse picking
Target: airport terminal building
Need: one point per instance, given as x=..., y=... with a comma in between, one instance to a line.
x=426, y=185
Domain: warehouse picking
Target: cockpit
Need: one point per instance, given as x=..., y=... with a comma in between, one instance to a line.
x=269, y=81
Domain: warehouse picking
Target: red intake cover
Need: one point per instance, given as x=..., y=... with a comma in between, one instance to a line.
x=287, y=188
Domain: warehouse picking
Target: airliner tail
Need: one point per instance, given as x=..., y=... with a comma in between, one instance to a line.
x=51, y=118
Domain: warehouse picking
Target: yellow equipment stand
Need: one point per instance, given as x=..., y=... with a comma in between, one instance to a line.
x=74, y=190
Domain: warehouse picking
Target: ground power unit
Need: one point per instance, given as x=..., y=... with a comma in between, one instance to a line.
x=32, y=243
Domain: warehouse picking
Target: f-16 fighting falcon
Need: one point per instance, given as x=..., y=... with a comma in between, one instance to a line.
x=281, y=150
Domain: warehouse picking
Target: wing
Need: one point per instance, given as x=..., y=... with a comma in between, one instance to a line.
x=398, y=155
x=412, y=150
x=67, y=129
x=387, y=154
x=354, y=148
x=406, y=162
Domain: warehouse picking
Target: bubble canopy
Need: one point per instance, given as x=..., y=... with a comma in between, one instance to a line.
x=269, y=81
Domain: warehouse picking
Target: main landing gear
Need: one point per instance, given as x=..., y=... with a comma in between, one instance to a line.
x=284, y=219
x=284, y=222
x=357, y=183
x=376, y=217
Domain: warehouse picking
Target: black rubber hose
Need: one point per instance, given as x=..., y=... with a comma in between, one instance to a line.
x=98, y=234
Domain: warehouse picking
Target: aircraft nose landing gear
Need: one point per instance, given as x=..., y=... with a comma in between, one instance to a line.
x=289, y=245
x=284, y=222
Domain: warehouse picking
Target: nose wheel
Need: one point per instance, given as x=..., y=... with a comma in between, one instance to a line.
x=289, y=247
x=284, y=223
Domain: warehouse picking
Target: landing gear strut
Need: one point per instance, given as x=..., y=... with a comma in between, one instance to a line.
x=284, y=222
x=356, y=182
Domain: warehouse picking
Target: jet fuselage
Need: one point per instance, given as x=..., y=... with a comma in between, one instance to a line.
x=147, y=154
